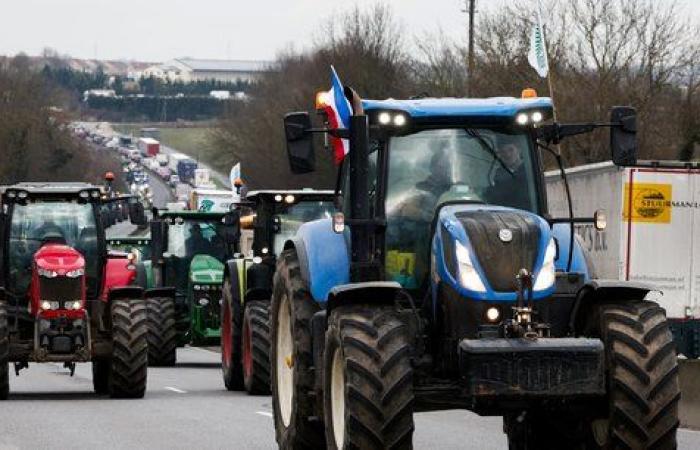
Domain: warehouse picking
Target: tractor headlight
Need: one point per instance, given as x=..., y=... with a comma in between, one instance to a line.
x=74, y=305
x=48, y=306
x=545, y=279
x=468, y=275
x=75, y=273
x=204, y=301
x=47, y=273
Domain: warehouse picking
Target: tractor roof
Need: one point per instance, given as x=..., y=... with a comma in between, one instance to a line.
x=302, y=193
x=192, y=215
x=51, y=189
x=433, y=108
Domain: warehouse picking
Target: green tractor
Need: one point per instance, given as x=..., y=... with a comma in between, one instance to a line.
x=273, y=217
x=183, y=279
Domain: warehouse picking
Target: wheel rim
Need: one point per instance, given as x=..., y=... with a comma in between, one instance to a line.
x=600, y=429
x=338, y=398
x=226, y=334
x=285, y=348
x=247, y=351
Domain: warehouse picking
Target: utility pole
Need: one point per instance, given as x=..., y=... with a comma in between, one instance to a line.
x=469, y=8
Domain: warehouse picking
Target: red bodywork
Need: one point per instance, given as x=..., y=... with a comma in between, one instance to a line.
x=120, y=272
x=61, y=259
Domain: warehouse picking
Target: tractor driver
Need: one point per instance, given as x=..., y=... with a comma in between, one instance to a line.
x=507, y=183
x=196, y=242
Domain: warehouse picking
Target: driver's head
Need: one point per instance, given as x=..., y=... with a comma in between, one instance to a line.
x=440, y=168
x=196, y=232
x=510, y=154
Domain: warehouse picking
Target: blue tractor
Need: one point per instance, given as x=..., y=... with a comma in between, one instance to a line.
x=442, y=282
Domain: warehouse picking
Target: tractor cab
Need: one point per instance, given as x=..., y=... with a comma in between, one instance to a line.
x=138, y=246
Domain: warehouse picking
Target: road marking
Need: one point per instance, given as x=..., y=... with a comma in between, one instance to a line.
x=264, y=413
x=179, y=391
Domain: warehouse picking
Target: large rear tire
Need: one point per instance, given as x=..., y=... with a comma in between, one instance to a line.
x=256, y=348
x=162, y=333
x=129, y=362
x=642, y=378
x=231, y=324
x=296, y=426
x=4, y=354
x=368, y=379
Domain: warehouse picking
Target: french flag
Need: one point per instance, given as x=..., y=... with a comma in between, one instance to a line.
x=338, y=110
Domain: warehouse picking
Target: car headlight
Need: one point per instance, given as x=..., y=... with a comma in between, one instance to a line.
x=75, y=273
x=468, y=275
x=547, y=276
x=47, y=273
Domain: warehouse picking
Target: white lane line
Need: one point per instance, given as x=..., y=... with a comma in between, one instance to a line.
x=688, y=430
x=179, y=391
x=264, y=413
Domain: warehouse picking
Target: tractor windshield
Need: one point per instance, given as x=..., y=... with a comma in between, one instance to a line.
x=36, y=223
x=288, y=222
x=433, y=167
x=196, y=237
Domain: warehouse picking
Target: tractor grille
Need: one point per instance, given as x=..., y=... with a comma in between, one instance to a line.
x=500, y=260
x=61, y=289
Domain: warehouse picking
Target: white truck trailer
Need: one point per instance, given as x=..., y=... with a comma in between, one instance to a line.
x=652, y=214
x=211, y=200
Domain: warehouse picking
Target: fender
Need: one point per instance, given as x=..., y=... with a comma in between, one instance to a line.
x=258, y=282
x=580, y=261
x=125, y=292
x=374, y=292
x=235, y=270
x=323, y=257
x=598, y=291
x=160, y=292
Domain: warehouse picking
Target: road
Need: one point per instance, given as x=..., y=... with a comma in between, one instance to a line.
x=214, y=173
x=188, y=407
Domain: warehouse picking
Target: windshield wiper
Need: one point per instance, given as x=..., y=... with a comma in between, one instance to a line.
x=487, y=145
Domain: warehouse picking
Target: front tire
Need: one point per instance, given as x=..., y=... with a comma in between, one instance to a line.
x=368, y=379
x=162, y=333
x=292, y=374
x=4, y=354
x=231, y=324
x=642, y=378
x=256, y=348
x=129, y=362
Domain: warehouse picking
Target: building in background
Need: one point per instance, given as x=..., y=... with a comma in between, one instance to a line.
x=190, y=69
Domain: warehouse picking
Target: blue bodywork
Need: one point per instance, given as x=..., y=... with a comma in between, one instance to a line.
x=326, y=260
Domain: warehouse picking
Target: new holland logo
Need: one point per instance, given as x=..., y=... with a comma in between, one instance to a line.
x=505, y=235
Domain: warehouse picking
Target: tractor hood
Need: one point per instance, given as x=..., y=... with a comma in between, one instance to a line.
x=205, y=269
x=480, y=249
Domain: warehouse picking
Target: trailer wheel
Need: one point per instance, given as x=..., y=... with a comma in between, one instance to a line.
x=231, y=339
x=129, y=362
x=256, y=348
x=100, y=376
x=643, y=387
x=296, y=426
x=368, y=379
x=4, y=354
x=162, y=335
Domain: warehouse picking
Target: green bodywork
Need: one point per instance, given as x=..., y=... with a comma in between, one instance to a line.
x=205, y=271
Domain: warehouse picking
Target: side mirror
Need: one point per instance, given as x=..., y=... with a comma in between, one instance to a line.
x=300, y=142
x=623, y=135
x=159, y=237
x=137, y=213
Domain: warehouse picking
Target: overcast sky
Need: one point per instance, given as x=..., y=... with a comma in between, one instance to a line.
x=157, y=30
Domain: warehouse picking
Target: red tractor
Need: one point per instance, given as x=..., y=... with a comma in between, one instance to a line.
x=63, y=296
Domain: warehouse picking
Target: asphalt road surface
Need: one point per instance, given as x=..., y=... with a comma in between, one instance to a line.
x=187, y=407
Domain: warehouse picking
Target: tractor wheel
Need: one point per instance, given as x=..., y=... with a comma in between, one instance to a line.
x=231, y=324
x=368, y=379
x=129, y=362
x=256, y=348
x=162, y=335
x=4, y=354
x=643, y=389
x=100, y=376
x=296, y=422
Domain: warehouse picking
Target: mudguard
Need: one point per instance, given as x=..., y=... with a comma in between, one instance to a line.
x=323, y=257
x=258, y=282
x=580, y=262
x=160, y=292
x=125, y=292
x=375, y=292
x=598, y=291
x=235, y=270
